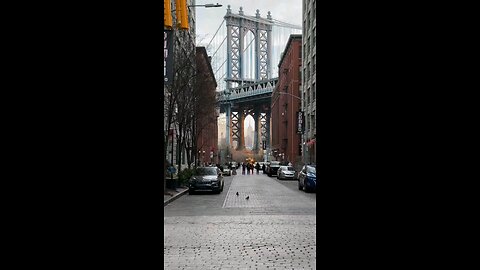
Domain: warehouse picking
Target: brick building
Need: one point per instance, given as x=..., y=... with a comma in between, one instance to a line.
x=207, y=140
x=286, y=102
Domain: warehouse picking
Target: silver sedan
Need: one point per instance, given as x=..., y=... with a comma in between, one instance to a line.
x=286, y=172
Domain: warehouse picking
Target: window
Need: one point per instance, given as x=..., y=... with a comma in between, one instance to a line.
x=300, y=75
x=286, y=109
x=308, y=95
x=313, y=92
x=314, y=67
x=309, y=44
x=308, y=19
x=308, y=122
x=312, y=119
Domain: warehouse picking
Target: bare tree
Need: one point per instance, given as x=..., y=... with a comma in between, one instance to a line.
x=188, y=104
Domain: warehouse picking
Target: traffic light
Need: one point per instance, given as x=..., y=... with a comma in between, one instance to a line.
x=182, y=13
x=167, y=16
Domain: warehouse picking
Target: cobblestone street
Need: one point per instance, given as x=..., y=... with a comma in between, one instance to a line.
x=273, y=229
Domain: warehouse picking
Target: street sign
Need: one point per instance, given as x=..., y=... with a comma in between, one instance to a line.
x=300, y=122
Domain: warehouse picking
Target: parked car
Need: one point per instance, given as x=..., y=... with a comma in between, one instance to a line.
x=307, y=178
x=272, y=168
x=286, y=172
x=235, y=165
x=206, y=179
x=226, y=171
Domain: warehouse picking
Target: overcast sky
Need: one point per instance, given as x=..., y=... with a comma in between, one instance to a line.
x=209, y=19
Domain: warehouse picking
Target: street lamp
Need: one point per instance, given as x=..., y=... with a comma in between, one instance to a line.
x=284, y=93
x=205, y=5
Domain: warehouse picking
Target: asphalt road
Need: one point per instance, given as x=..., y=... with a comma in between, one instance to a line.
x=275, y=228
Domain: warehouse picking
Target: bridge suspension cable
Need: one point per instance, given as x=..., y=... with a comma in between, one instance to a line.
x=217, y=48
x=221, y=24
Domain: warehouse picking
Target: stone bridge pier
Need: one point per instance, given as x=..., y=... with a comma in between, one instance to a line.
x=235, y=125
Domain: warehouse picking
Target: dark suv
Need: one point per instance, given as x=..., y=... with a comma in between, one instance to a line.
x=206, y=179
x=272, y=168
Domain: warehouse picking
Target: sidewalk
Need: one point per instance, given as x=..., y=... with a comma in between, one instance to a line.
x=170, y=195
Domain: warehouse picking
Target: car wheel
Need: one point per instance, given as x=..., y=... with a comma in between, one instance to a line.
x=190, y=192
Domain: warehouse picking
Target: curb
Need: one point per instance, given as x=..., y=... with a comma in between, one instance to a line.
x=173, y=198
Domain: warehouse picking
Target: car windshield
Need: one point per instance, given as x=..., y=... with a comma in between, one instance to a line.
x=287, y=168
x=311, y=170
x=206, y=171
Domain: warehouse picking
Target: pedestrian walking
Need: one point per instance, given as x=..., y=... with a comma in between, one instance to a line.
x=248, y=168
x=263, y=167
x=243, y=168
x=257, y=166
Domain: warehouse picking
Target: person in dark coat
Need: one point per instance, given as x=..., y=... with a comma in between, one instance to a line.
x=243, y=168
x=257, y=166
x=263, y=167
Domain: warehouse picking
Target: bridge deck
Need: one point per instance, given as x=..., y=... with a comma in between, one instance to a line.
x=248, y=92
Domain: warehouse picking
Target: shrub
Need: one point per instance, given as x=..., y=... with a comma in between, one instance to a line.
x=184, y=176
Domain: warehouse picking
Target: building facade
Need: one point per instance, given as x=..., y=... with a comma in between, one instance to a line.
x=207, y=115
x=309, y=89
x=286, y=102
